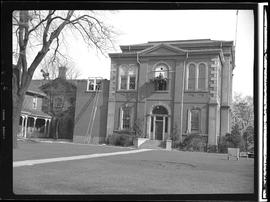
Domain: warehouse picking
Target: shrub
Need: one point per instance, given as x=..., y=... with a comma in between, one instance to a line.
x=229, y=141
x=194, y=142
x=120, y=140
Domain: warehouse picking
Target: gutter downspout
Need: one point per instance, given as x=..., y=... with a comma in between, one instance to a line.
x=182, y=97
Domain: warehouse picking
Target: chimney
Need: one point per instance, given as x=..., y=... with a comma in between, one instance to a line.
x=62, y=72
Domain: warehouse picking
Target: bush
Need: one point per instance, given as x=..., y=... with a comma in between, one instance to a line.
x=194, y=142
x=120, y=140
x=229, y=141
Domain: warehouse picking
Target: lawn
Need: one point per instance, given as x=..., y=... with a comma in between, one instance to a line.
x=150, y=172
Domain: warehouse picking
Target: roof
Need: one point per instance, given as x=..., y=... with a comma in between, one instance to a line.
x=35, y=85
x=184, y=44
x=36, y=113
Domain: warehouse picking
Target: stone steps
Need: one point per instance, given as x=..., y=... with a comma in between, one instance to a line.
x=151, y=144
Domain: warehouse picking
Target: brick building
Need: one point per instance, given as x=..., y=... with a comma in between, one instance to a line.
x=164, y=87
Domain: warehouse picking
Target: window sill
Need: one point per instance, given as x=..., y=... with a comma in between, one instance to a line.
x=126, y=91
x=92, y=91
x=196, y=91
x=161, y=91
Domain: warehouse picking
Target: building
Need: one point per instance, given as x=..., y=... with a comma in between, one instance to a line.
x=66, y=109
x=172, y=87
x=34, y=122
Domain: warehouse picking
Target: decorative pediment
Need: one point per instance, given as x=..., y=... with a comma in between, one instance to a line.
x=162, y=50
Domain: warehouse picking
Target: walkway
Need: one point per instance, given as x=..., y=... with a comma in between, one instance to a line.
x=50, y=160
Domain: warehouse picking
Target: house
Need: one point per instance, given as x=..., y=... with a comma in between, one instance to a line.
x=66, y=109
x=34, y=122
x=172, y=87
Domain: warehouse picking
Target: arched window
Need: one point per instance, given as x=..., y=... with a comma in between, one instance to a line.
x=127, y=78
x=191, y=77
x=161, y=77
x=202, y=77
x=196, y=77
x=160, y=110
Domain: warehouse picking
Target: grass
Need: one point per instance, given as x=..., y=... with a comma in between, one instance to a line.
x=151, y=172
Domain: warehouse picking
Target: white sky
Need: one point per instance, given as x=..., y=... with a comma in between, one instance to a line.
x=141, y=26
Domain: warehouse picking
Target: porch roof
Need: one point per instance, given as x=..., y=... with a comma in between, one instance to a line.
x=35, y=113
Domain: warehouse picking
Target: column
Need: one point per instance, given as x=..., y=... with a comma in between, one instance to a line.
x=22, y=125
x=49, y=125
x=45, y=128
x=169, y=127
x=25, y=129
x=163, y=127
x=148, y=126
x=154, y=128
x=212, y=124
x=35, y=119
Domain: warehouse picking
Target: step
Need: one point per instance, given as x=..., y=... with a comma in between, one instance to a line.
x=151, y=144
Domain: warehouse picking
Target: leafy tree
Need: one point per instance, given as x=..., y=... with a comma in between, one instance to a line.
x=243, y=120
x=42, y=31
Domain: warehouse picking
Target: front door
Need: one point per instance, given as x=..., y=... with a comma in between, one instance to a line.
x=159, y=130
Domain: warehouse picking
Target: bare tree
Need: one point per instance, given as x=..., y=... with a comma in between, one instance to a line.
x=41, y=31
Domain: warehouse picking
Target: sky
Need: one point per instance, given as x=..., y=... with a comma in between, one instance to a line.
x=141, y=26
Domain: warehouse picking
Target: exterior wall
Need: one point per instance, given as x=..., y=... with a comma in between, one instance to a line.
x=85, y=129
x=63, y=120
x=177, y=98
x=28, y=102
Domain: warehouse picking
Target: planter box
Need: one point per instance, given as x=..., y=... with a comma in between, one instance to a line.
x=139, y=141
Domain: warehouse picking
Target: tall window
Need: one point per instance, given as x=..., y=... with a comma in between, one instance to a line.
x=195, y=120
x=125, y=118
x=161, y=77
x=127, y=78
x=196, y=77
x=35, y=102
x=192, y=77
x=94, y=84
x=193, y=125
x=202, y=77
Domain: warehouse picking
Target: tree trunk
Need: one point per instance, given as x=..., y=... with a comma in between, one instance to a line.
x=17, y=107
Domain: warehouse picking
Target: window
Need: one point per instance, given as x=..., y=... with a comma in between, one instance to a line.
x=94, y=84
x=191, y=77
x=34, y=102
x=127, y=78
x=125, y=118
x=161, y=77
x=193, y=125
x=194, y=120
x=202, y=77
x=196, y=77
x=58, y=102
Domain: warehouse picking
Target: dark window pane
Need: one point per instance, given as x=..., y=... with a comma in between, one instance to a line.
x=166, y=124
x=132, y=82
x=194, y=120
x=91, y=84
x=98, y=84
x=191, y=77
x=152, y=123
x=123, y=82
x=126, y=118
x=159, y=118
x=202, y=76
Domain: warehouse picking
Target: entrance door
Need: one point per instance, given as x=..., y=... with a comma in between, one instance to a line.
x=159, y=130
